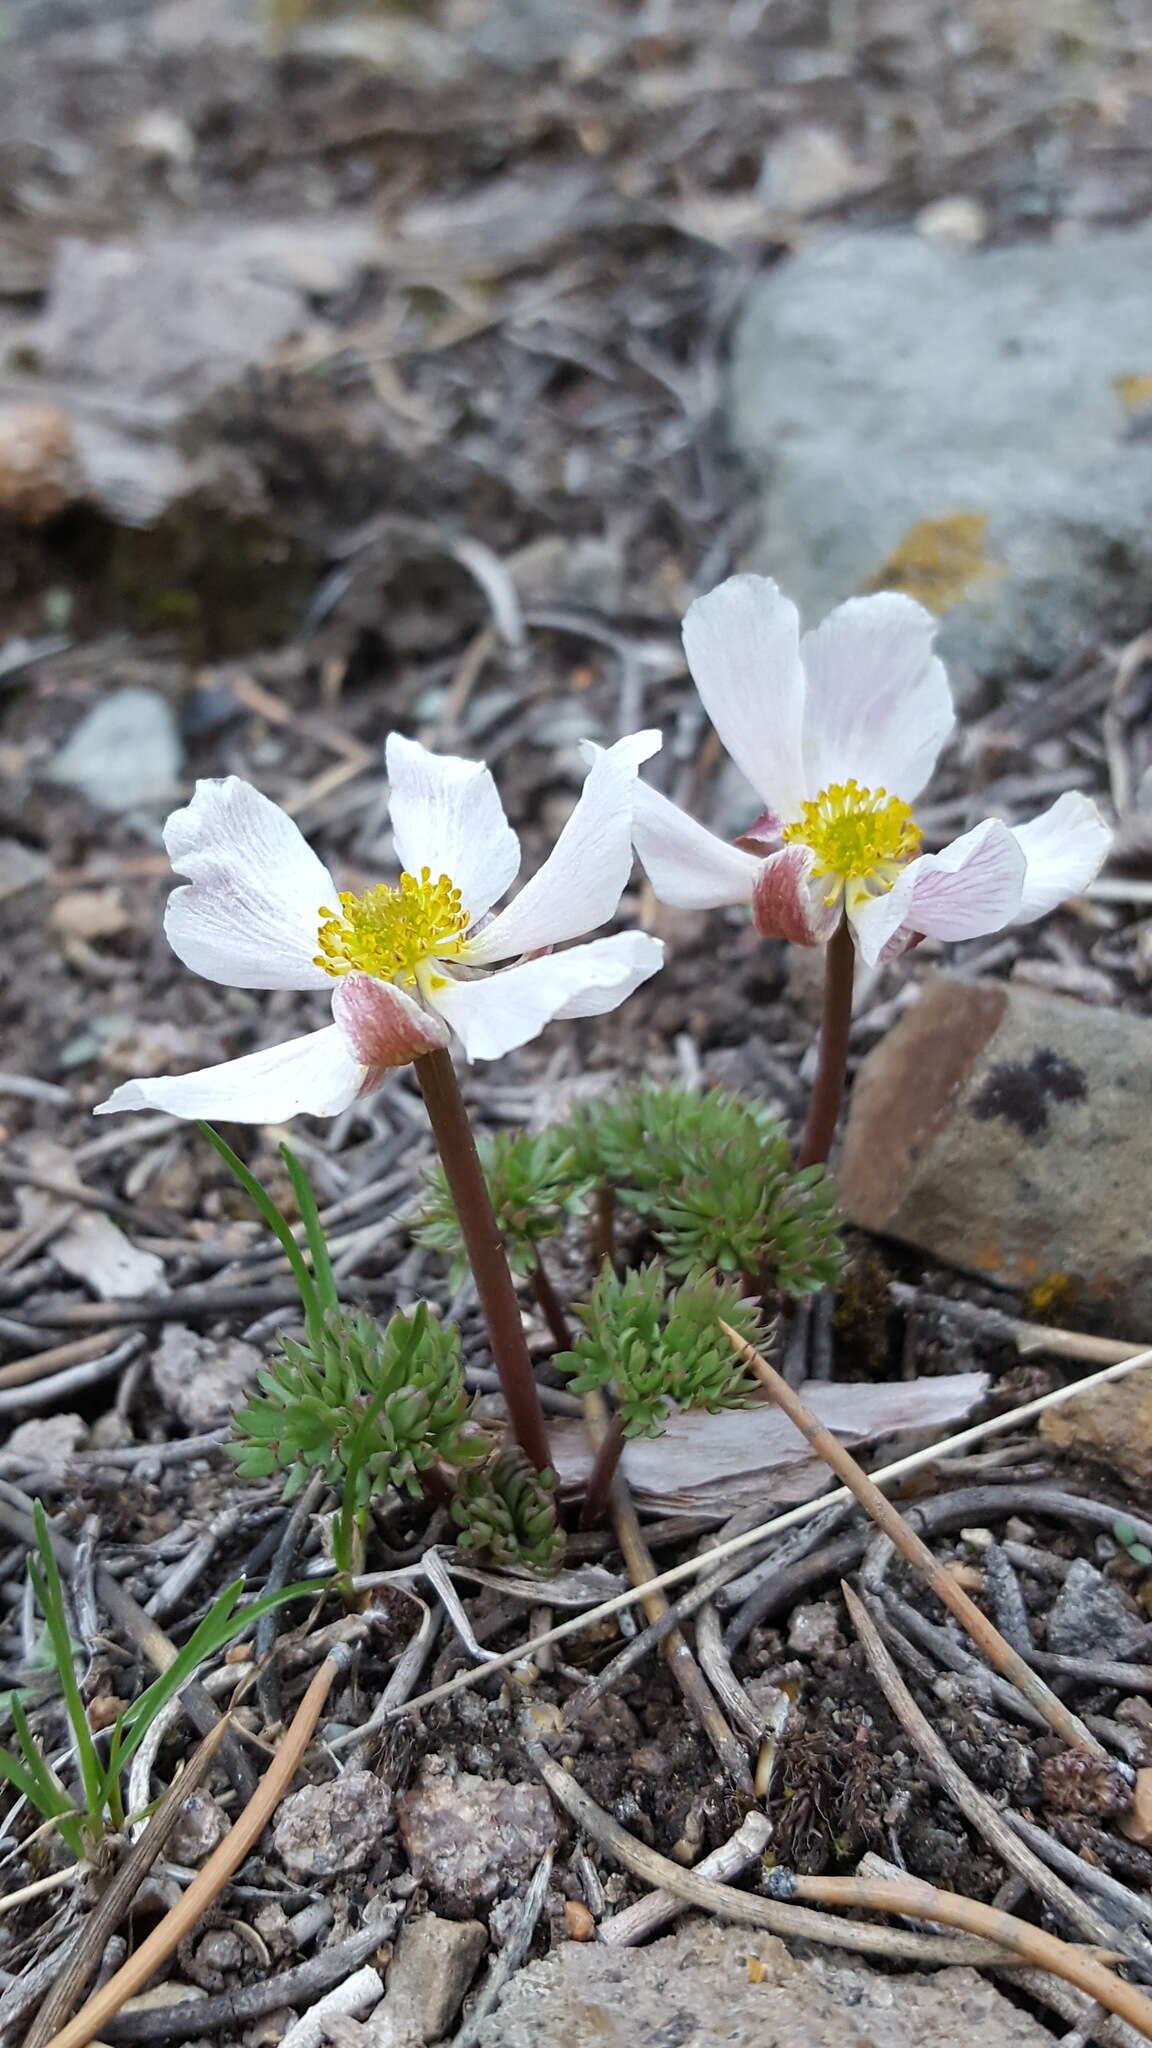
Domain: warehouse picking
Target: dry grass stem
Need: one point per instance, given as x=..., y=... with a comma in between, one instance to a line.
x=211, y=1879
x=983, y=1632
x=750, y=1539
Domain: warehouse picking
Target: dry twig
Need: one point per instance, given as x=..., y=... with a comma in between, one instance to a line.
x=996, y=1649
x=210, y=1880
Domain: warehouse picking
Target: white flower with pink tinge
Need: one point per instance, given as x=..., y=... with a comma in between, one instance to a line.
x=838, y=731
x=412, y=965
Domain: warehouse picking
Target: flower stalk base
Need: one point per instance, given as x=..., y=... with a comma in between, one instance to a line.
x=832, y=1059
x=486, y=1256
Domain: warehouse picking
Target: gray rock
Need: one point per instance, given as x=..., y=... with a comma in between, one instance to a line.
x=201, y=1379
x=201, y=1827
x=814, y=1631
x=434, y=1963
x=954, y=422
x=950, y=2008
x=470, y=1839
x=1006, y=1132
x=1093, y=1617
x=125, y=755
x=324, y=1830
x=709, y=1986
x=49, y=1440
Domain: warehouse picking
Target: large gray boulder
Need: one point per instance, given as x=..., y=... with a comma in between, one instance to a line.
x=972, y=425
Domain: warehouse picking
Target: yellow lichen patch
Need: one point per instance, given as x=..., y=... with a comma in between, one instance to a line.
x=1134, y=390
x=1053, y=1297
x=938, y=561
x=856, y=834
x=389, y=933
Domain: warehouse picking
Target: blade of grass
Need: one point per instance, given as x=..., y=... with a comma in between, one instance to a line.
x=313, y=1230
x=277, y=1223
x=220, y=1626
x=46, y=1584
x=39, y=1784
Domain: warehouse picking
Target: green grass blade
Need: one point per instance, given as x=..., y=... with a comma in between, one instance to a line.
x=40, y=1786
x=224, y=1621
x=276, y=1223
x=46, y=1585
x=313, y=1228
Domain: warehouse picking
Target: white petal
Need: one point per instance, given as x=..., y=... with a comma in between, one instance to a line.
x=500, y=1011
x=582, y=881
x=877, y=705
x=1065, y=848
x=447, y=816
x=969, y=889
x=314, y=1076
x=251, y=918
x=743, y=646
x=688, y=866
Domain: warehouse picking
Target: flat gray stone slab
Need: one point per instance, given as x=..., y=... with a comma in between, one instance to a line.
x=972, y=425
x=711, y=1986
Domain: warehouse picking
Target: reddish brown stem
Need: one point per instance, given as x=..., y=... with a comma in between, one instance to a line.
x=550, y=1305
x=598, y=1493
x=604, y=1228
x=832, y=1060
x=486, y=1255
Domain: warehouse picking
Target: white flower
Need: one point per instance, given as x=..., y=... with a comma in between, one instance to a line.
x=409, y=965
x=838, y=731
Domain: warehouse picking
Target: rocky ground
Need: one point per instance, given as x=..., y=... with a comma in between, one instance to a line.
x=415, y=369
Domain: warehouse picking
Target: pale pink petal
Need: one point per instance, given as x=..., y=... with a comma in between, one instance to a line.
x=788, y=904
x=251, y=917
x=877, y=708
x=447, y=816
x=743, y=646
x=384, y=1026
x=583, y=879
x=500, y=1011
x=1065, y=848
x=687, y=866
x=969, y=889
x=313, y=1076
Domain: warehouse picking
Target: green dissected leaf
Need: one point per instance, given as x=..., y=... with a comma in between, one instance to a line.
x=659, y=1347
x=712, y=1176
x=535, y=1183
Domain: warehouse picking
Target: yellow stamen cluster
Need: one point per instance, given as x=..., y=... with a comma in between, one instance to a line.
x=858, y=835
x=391, y=932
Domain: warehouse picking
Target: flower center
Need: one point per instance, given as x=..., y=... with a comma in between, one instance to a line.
x=857, y=834
x=389, y=932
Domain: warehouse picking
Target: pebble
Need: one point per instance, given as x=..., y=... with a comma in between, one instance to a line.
x=49, y=1441
x=1092, y=1616
x=325, y=1830
x=814, y=1631
x=1005, y=1132
x=434, y=1963
x=1112, y=1424
x=202, y=1379
x=951, y=420
x=125, y=755
x=201, y=1827
x=470, y=1839
x=38, y=473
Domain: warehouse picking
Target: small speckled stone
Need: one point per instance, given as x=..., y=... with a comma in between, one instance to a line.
x=470, y=1839
x=324, y=1830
